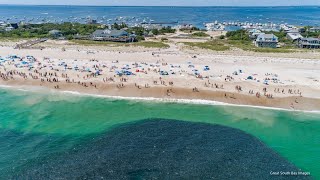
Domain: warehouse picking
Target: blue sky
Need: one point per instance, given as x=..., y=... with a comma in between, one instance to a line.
x=167, y=2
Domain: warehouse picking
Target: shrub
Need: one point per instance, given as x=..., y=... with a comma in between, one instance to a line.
x=164, y=39
x=200, y=34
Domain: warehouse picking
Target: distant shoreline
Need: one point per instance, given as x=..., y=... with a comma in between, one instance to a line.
x=175, y=6
x=293, y=14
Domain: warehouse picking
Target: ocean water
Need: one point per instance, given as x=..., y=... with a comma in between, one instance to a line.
x=39, y=125
x=163, y=149
x=304, y=15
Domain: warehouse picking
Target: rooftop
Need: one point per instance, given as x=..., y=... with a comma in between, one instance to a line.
x=295, y=36
x=267, y=38
x=54, y=31
x=108, y=32
x=310, y=39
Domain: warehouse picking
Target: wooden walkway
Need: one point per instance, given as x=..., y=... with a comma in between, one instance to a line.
x=30, y=43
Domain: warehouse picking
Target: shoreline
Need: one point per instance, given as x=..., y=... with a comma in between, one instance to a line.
x=172, y=74
x=35, y=89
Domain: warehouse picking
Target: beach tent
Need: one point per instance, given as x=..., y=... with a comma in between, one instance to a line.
x=13, y=56
x=128, y=73
x=164, y=73
x=250, y=77
x=119, y=73
x=196, y=72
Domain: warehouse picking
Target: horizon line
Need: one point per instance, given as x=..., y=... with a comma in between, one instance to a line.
x=157, y=5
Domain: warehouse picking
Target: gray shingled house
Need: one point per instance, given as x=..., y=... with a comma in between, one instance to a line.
x=310, y=43
x=112, y=35
x=267, y=40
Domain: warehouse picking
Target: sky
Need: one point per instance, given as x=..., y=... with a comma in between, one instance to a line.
x=166, y=2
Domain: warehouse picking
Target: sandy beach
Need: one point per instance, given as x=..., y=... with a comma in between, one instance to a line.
x=290, y=81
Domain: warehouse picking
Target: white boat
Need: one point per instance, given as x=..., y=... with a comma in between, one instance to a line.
x=214, y=27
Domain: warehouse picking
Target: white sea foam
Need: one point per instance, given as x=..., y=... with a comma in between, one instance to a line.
x=5, y=86
x=185, y=101
x=163, y=100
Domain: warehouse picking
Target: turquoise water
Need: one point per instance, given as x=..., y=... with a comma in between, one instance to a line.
x=34, y=125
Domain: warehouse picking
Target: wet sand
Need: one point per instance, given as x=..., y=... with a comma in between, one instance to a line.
x=131, y=91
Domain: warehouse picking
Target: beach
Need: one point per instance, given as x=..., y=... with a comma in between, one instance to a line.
x=278, y=80
x=172, y=73
x=159, y=92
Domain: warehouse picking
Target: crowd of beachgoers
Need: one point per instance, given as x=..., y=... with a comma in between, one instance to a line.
x=193, y=78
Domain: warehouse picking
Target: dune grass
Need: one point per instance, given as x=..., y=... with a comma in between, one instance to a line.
x=224, y=45
x=200, y=34
x=212, y=45
x=13, y=39
x=249, y=46
x=95, y=43
x=146, y=44
x=150, y=44
x=271, y=50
